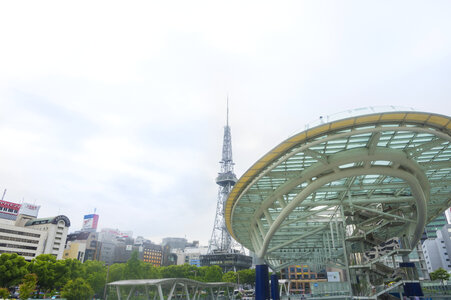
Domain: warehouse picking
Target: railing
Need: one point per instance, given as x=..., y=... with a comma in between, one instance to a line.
x=329, y=289
x=436, y=288
x=353, y=113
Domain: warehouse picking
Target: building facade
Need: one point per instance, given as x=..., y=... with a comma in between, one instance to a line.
x=301, y=278
x=436, y=251
x=82, y=245
x=430, y=230
x=152, y=254
x=30, y=237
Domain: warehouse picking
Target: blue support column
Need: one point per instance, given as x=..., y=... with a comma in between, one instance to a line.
x=275, y=287
x=261, y=282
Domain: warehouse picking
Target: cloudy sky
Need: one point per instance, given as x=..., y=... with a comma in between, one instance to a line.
x=120, y=106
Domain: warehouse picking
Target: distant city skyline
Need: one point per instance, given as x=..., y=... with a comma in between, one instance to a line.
x=121, y=108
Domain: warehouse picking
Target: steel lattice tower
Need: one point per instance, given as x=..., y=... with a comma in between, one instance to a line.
x=221, y=241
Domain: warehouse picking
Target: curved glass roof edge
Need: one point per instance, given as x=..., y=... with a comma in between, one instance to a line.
x=260, y=165
x=361, y=111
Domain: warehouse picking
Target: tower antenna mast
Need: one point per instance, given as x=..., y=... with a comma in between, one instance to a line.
x=221, y=241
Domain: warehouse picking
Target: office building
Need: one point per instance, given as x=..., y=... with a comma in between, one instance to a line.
x=152, y=254
x=436, y=251
x=82, y=245
x=30, y=237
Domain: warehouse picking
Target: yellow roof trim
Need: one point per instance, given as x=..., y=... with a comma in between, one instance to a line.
x=416, y=117
x=282, y=147
x=259, y=165
x=367, y=119
x=298, y=137
x=269, y=157
x=317, y=130
x=391, y=116
x=442, y=121
x=342, y=123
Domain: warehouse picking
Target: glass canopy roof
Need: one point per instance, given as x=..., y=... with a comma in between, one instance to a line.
x=365, y=178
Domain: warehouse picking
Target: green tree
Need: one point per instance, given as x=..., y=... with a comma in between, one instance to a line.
x=95, y=275
x=67, y=269
x=4, y=293
x=44, y=267
x=230, y=277
x=77, y=289
x=151, y=272
x=439, y=274
x=13, y=268
x=116, y=272
x=213, y=274
x=182, y=271
x=133, y=267
x=28, y=286
x=247, y=276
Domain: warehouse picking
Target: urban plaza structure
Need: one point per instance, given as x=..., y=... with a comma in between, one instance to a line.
x=348, y=195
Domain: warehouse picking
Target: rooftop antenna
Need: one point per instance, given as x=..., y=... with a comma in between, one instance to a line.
x=4, y=192
x=227, y=124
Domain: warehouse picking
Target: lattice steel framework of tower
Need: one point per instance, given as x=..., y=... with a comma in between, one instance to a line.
x=221, y=241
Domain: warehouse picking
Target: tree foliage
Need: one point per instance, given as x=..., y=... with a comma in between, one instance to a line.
x=28, y=286
x=439, y=274
x=134, y=267
x=4, y=293
x=243, y=277
x=213, y=274
x=44, y=267
x=77, y=289
x=229, y=277
x=67, y=269
x=95, y=275
x=12, y=269
x=247, y=276
x=51, y=274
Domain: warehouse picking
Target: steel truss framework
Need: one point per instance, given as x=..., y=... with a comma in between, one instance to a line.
x=330, y=195
x=185, y=288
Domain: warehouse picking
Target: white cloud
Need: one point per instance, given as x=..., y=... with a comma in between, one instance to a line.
x=120, y=107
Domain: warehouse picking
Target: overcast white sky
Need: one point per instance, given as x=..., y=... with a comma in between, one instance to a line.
x=120, y=106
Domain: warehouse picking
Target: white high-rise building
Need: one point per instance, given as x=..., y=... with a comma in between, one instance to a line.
x=436, y=251
x=30, y=237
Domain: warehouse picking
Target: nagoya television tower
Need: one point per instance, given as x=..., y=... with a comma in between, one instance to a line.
x=221, y=241
x=222, y=249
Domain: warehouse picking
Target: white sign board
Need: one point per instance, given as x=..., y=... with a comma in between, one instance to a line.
x=333, y=276
x=29, y=209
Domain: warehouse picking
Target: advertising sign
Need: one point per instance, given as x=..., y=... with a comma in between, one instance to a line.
x=29, y=209
x=90, y=222
x=9, y=207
